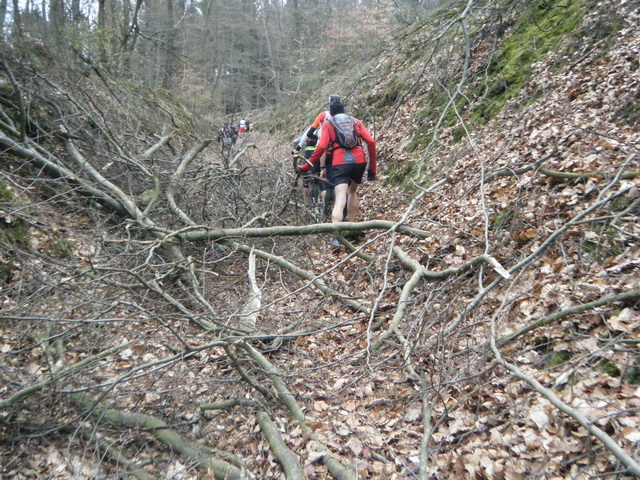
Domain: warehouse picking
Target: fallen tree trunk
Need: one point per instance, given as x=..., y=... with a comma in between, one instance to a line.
x=205, y=233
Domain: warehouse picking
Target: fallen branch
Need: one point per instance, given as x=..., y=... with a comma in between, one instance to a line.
x=245, y=376
x=525, y=261
x=512, y=172
x=237, y=156
x=114, y=454
x=585, y=175
x=159, y=144
x=420, y=273
x=224, y=404
x=619, y=297
x=354, y=250
x=10, y=146
x=177, y=178
x=632, y=466
x=22, y=112
x=251, y=309
x=290, y=464
x=200, y=454
x=202, y=232
x=57, y=375
x=313, y=279
x=428, y=274
x=339, y=471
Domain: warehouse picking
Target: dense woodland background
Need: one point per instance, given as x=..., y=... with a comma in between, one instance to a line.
x=174, y=309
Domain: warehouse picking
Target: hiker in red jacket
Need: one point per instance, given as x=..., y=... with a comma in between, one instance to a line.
x=349, y=162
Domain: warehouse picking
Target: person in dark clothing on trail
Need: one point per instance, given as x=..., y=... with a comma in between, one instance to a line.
x=320, y=190
x=234, y=133
x=327, y=188
x=225, y=135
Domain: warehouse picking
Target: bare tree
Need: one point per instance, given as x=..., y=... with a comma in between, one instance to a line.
x=3, y=15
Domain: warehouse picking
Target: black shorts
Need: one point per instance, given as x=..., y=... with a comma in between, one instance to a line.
x=352, y=172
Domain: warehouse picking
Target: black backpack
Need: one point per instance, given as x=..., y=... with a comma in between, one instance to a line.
x=345, y=128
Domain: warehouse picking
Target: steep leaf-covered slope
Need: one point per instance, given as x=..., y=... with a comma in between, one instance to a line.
x=529, y=111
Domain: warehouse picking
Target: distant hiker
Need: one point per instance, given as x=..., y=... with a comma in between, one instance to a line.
x=234, y=133
x=248, y=126
x=225, y=135
x=342, y=135
x=243, y=127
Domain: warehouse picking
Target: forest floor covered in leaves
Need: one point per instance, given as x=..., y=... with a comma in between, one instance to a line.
x=529, y=258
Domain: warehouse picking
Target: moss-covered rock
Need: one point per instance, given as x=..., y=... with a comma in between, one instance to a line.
x=5, y=194
x=609, y=368
x=504, y=219
x=13, y=234
x=61, y=248
x=13, y=231
x=559, y=357
x=5, y=273
x=400, y=173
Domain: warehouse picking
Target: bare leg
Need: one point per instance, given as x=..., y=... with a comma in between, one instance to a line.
x=352, y=202
x=339, y=202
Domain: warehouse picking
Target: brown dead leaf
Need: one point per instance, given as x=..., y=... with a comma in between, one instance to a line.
x=412, y=414
x=355, y=445
x=631, y=435
x=320, y=406
x=626, y=321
